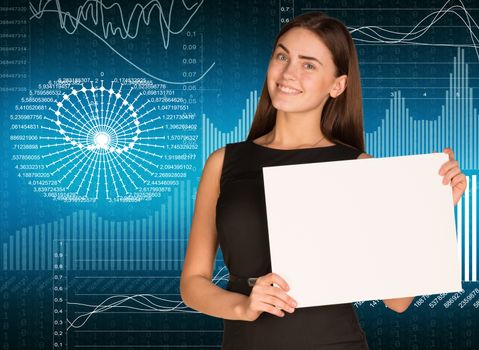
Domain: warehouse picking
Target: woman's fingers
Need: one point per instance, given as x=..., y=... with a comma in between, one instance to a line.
x=449, y=152
x=265, y=303
x=452, y=163
x=458, y=179
x=272, y=305
x=450, y=174
x=268, y=298
x=271, y=278
x=272, y=310
x=274, y=296
x=278, y=293
x=278, y=303
x=265, y=282
x=448, y=166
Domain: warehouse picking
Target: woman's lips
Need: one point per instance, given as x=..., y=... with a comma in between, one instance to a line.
x=288, y=89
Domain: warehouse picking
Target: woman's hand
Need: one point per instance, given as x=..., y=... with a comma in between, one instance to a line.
x=266, y=298
x=451, y=172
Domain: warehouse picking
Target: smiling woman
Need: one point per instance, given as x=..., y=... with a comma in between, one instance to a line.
x=298, y=82
x=310, y=110
x=315, y=61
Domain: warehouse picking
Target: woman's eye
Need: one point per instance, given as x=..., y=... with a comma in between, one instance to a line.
x=308, y=66
x=281, y=57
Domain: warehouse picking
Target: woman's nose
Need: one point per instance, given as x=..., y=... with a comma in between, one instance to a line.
x=290, y=72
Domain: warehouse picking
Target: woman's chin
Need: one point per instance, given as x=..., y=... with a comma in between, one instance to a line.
x=287, y=107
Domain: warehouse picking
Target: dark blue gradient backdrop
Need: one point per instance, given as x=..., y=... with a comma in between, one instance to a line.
x=108, y=111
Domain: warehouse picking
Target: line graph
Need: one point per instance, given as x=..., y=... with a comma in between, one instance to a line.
x=96, y=12
x=83, y=305
x=381, y=35
x=128, y=28
x=132, y=303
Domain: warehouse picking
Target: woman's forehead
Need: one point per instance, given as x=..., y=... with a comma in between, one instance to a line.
x=301, y=41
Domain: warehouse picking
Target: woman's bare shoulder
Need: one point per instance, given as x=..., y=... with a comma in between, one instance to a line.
x=213, y=167
x=215, y=159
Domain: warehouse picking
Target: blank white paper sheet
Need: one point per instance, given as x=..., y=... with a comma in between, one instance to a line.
x=362, y=229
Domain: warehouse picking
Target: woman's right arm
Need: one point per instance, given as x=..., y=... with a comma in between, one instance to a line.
x=197, y=290
x=196, y=287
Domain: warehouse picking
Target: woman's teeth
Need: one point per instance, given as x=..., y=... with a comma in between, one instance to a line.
x=288, y=90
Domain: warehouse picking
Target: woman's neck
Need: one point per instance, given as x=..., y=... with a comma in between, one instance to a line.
x=296, y=130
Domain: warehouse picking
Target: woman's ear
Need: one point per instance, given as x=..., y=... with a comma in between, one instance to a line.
x=339, y=86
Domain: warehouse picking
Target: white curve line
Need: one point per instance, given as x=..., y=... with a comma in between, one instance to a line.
x=144, y=14
x=137, y=67
x=406, y=39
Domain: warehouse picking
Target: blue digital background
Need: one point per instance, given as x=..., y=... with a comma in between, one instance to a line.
x=103, y=272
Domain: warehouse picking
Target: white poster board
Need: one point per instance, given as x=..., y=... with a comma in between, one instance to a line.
x=362, y=229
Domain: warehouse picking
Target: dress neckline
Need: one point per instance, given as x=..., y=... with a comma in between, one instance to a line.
x=292, y=149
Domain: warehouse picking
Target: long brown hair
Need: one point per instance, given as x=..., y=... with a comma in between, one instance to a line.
x=342, y=117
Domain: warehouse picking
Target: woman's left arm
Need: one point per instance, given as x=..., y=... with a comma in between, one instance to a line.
x=452, y=174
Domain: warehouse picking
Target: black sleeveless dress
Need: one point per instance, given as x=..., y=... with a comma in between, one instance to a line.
x=243, y=237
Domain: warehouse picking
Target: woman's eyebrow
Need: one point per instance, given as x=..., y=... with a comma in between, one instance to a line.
x=283, y=47
x=301, y=56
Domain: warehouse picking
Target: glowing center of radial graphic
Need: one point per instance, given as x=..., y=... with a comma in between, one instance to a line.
x=102, y=140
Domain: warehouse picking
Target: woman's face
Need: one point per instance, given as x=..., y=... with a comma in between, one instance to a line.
x=301, y=73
